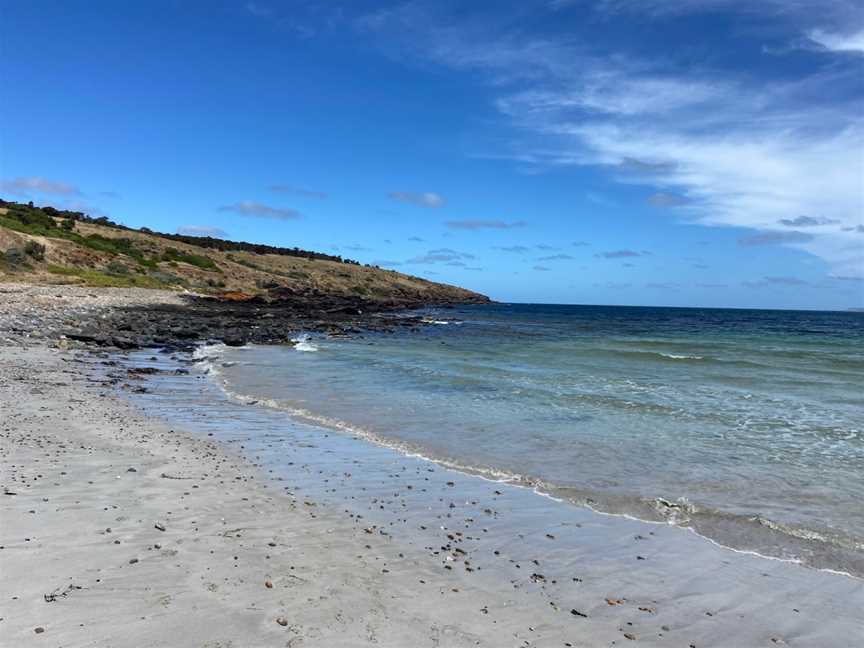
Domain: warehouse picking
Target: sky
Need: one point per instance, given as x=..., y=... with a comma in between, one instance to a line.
x=646, y=152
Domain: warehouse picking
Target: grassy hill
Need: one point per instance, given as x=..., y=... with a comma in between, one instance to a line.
x=47, y=245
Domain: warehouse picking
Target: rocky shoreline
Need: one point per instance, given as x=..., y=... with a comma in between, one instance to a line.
x=136, y=318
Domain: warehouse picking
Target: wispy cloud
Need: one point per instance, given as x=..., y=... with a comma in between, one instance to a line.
x=836, y=42
x=514, y=249
x=297, y=191
x=775, y=281
x=540, y=268
x=620, y=254
x=421, y=199
x=806, y=221
x=556, y=257
x=36, y=184
x=258, y=210
x=478, y=224
x=773, y=238
x=744, y=151
x=663, y=199
x=441, y=255
x=416, y=239
x=673, y=287
x=202, y=230
x=258, y=9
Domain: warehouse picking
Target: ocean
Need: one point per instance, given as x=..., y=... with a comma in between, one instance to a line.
x=746, y=426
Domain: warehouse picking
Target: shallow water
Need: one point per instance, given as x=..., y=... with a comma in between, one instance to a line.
x=746, y=425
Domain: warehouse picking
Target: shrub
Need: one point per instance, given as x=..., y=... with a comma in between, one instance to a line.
x=166, y=277
x=13, y=257
x=35, y=250
x=117, y=268
x=197, y=260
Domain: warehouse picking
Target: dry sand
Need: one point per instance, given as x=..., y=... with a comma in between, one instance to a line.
x=117, y=530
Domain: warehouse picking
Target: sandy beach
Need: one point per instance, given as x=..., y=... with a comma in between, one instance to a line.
x=119, y=527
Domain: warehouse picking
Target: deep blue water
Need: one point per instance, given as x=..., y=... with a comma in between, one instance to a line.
x=746, y=425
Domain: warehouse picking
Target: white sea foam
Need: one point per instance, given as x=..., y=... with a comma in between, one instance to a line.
x=427, y=320
x=304, y=343
x=208, y=356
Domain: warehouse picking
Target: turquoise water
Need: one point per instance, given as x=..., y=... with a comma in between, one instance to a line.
x=746, y=425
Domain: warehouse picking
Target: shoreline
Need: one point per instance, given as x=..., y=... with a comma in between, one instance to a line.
x=384, y=556
x=740, y=532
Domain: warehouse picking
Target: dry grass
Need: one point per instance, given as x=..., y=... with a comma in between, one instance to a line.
x=236, y=271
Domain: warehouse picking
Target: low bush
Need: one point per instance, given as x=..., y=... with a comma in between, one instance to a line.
x=14, y=258
x=34, y=250
x=117, y=268
x=197, y=260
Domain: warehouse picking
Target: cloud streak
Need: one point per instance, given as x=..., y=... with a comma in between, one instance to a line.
x=422, y=199
x=836, y=42
x=202, y=230
x=36, y=184
x=774, y=238
x=620, y=254
x=479, y=224
x=259, y=210
x=446, y=256
x=297, y=191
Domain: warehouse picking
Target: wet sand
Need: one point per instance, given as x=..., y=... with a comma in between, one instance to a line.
x=131, y=526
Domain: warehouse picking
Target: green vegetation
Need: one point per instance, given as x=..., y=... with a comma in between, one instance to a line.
x=97, y=252
x=35, y=250
x=100, y=279
x=40, y=222
x=14, y=259
x=197, y=260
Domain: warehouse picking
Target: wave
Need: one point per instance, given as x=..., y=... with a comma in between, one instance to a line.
x=647, y=354
x=304, y=343
x=428, y=320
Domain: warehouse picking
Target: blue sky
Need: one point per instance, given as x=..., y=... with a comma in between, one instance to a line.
x=692, y=153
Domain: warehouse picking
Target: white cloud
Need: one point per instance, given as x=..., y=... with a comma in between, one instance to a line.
x=735, y=148
x=202, y=230
x=35, y=184
x=424, y=199
x=835, y=42
x=441, y=255
x=258, y=210
x=256, y=9
x=297, y=191
x=476, y=224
